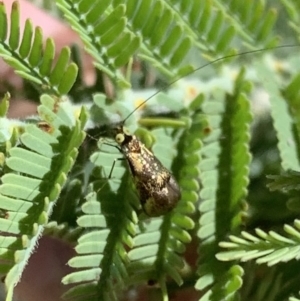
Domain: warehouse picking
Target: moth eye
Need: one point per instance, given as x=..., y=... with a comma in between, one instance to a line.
x=119, y=138
x=126, y=131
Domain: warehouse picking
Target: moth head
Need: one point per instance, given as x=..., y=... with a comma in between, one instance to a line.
x=122, y=134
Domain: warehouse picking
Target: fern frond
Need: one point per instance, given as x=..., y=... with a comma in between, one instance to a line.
x=286, y=182
x=288, y=140
x=102, y=27
x=24, y=52
x=33, y=182
x=245, y=17
x=207, y=26
x=269, y=248
x=292, y=8
x=208, y=29
x=292, y=96
x=223, y=191
x=168, y=31
x=101, y=255
x=164, y=32
x=164, y=42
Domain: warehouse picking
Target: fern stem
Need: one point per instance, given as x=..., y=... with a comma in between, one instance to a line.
x=165, y=229
x=163, y=287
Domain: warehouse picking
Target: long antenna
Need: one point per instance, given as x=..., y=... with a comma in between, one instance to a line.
x=205, y=65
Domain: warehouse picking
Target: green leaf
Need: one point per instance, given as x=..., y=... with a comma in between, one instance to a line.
x=37, y=47
x=4, y=105
x=48, y=57
x=26, y=39
x=68, y=79
x=3, y=22
x=60, y=66
x=14, y=26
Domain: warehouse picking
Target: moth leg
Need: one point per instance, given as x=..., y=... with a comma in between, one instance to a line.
x=113, y=166
x=110, y=173
x=101, y=142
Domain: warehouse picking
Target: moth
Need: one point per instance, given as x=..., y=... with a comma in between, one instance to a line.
x=158, y=190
